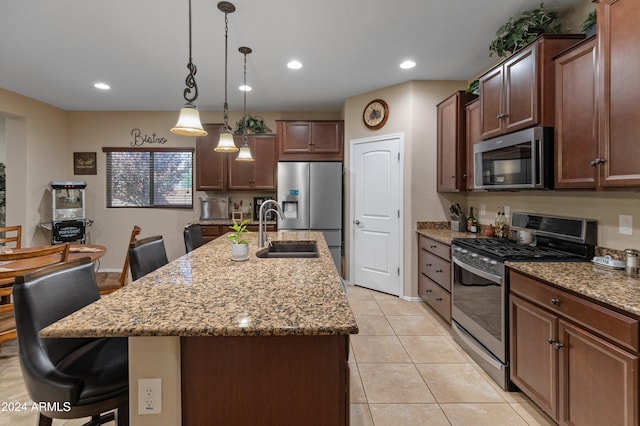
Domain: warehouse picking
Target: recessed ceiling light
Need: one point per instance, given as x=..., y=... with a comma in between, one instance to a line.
x=102, y=86
x=244, y=88
x=408, y=64
x=294, y=65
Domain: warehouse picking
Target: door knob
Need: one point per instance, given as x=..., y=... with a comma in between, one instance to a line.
x=357, y=222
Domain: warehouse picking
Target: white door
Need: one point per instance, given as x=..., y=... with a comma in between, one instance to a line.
x=376, y=194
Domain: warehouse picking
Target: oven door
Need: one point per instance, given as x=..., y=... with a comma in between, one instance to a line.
x=478, y=306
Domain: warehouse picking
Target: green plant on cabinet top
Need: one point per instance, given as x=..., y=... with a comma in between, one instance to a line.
x=514, y=35
x=254, y=125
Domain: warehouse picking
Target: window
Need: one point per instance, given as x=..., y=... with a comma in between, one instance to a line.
x=153, y=177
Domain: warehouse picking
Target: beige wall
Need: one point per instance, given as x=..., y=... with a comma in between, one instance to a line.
x=36, y=139
x=412, y=112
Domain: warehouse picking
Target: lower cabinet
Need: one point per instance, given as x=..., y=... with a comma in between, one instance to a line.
x=211, y=232
x=578, y=361
x=434, y=275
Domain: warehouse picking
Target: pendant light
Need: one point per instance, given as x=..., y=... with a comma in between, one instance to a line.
x=245, y=151
x=189, y=120
x=226, y=143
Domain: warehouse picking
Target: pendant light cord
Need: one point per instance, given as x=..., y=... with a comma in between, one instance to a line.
x=191, y=78
x=244, y=116
x=226, y=105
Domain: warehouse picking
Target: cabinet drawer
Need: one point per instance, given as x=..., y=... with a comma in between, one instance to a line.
x=437, y=269
x=435, y=296
x=211, y=230
x=609, y=324
x=435, y=247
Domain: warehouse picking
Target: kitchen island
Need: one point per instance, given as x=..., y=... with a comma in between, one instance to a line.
x=264, y=341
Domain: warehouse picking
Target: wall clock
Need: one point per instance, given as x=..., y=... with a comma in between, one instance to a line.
x=375, y=114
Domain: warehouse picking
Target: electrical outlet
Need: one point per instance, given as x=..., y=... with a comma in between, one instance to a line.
x=150, y=396
x=625, y=224
x=483, y=209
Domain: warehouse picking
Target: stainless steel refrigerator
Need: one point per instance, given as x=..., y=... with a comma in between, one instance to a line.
x=310, y=194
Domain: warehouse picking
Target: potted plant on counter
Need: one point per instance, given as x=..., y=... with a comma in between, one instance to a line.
x=239, y=242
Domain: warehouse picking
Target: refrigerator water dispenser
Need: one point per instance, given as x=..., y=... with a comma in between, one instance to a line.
x=290, y=209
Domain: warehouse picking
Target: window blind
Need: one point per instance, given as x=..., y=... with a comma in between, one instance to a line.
x=153, y=177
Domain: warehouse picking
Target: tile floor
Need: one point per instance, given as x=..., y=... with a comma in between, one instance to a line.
x=405, y=370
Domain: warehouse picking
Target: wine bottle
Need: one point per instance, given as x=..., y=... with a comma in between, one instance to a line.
x=471, y=220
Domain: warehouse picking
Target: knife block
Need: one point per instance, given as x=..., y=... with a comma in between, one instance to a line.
x=459, y=224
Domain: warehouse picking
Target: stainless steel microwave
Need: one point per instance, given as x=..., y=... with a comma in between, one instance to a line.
x=520, y=160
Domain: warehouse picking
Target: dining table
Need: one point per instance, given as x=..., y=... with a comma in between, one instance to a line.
x=76, y=251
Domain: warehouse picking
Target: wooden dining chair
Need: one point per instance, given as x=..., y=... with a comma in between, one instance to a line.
x=108, y=282
x=20, y=263
x=15, y=238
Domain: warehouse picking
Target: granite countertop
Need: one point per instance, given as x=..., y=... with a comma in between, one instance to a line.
x=205, y=293
x=599, y=283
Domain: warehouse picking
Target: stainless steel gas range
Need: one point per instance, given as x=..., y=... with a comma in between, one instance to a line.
x=481, y=287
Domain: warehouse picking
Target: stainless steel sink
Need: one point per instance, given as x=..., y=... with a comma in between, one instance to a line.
x=289, y=249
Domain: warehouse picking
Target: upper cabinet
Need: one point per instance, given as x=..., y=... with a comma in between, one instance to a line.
x=220, y=172
x=472, y=114
x=619, y=85
x=519, y=93
x=259, y=174
x=211, y=166
x=576, y=130
x=310, y=140
x=452, y=160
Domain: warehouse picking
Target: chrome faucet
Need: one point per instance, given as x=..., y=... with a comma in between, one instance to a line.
x=261, y=217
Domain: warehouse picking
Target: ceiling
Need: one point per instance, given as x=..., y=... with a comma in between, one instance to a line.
x=54, y=51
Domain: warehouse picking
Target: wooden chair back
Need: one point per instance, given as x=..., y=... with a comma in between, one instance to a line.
x=108, y=282
x=15, y=238
x=25, y=260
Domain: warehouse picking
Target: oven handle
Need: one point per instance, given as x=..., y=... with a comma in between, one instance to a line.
x=491, y=277
x=480, y=350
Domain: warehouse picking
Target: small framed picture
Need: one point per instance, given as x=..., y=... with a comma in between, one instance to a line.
x=84, y=163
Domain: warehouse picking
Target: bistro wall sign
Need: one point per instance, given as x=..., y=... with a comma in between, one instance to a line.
x=139, y=138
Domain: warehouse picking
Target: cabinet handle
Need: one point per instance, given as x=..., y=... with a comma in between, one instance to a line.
x=499, y=116
x=428, y=264
x=438, y=299
x=550, y=341
x=555, y=302
x=438, y=270
x=428, y=291
x=433, y=247
x=597, y=161
x=558, y=346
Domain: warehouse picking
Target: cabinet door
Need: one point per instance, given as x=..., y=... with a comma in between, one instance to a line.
x=240, y=175
x=265, y=151
x=258, y=174
x=295, y=137
x=447, y=133
x=534, y=360
x=619, y=67
x=576, y=131
x=491, y=103
x=210, y=165
x=326, y=137
x=520, y=91
x=211, y=232
x=473, y=137
x=598, y=381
